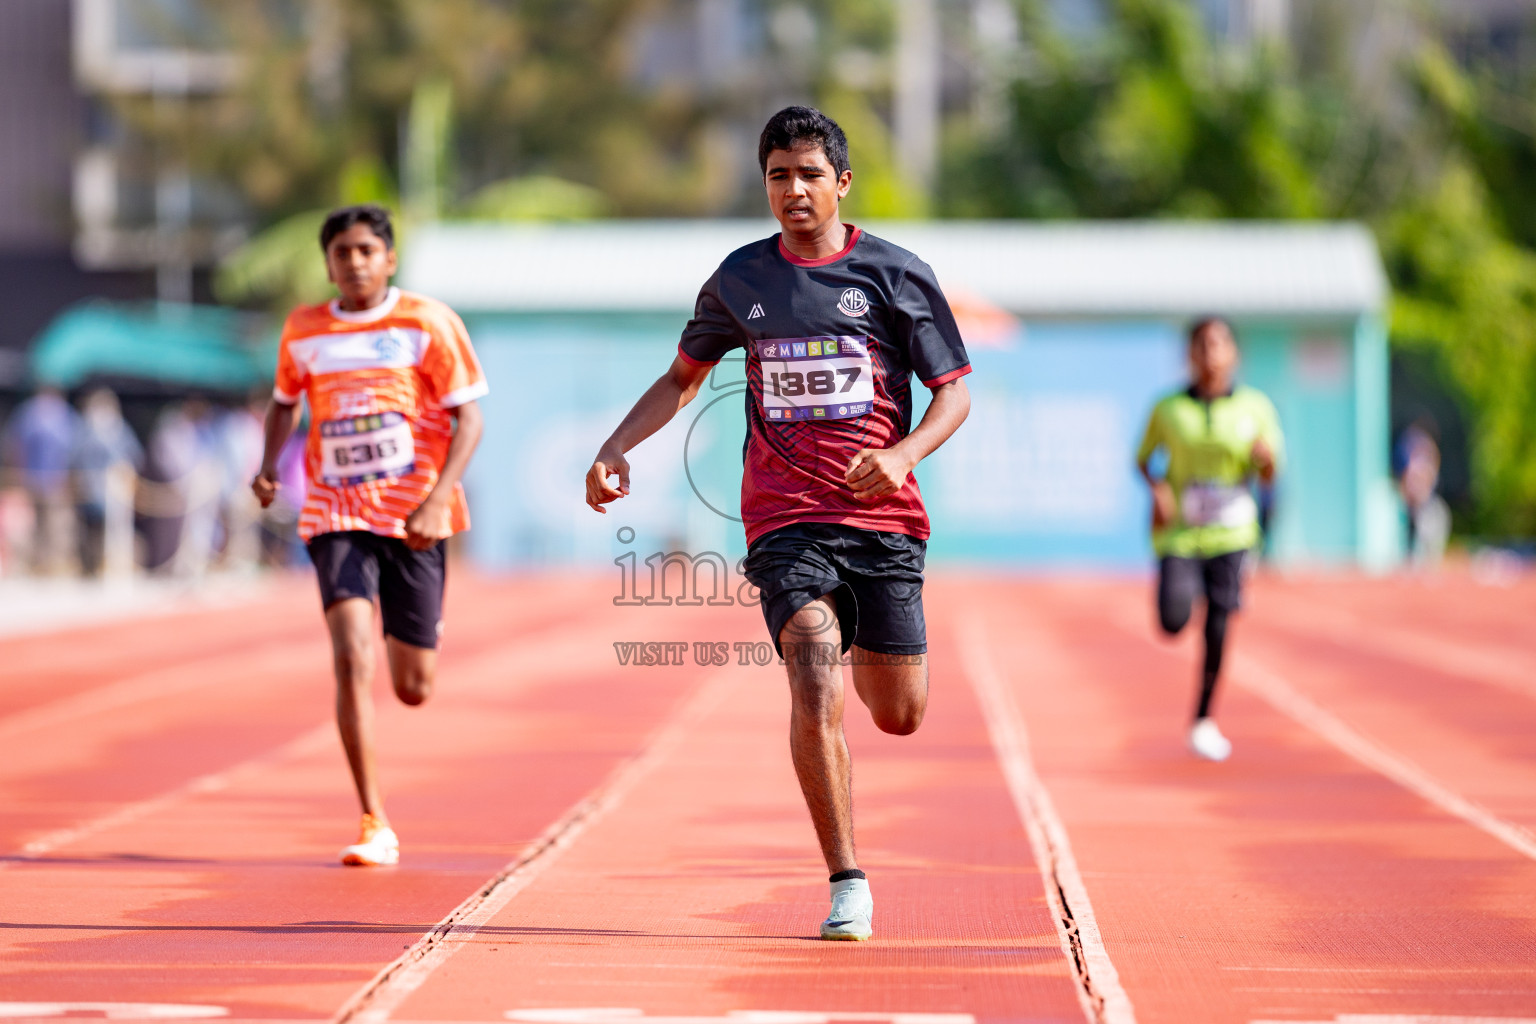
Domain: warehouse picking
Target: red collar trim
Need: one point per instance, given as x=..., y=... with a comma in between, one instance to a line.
x=800, y=261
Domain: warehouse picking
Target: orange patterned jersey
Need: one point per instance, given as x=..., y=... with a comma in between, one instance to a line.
x=380, y=383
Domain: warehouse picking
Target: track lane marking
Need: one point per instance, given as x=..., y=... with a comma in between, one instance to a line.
x=165, y=680
x=211, y=782
x=1507, y=668
x=1403, y=1018
x=114, y=1011
x=386, y=991
x=631, y=1015
x=1103, y=998
x=156, y=684
x=1292, y=703
x=551, y=657
x=1273, y=689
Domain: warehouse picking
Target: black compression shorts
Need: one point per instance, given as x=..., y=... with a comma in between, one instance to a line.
x=1218, y=578
x=407, y=584
x=875, y=579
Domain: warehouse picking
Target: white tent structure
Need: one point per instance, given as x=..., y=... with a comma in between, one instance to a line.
x=1030, y=269
x=1091, y=315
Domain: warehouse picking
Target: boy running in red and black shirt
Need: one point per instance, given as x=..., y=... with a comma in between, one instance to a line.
x=834, y=323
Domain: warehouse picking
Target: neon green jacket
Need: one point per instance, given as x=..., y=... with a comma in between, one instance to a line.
x=1209, y=447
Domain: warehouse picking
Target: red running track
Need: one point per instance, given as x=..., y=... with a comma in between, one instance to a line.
x=175, y=797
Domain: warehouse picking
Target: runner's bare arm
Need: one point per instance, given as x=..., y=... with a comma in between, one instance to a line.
x=877, y=472
x=281, y=419
x=1164, y=508
x=655, y=409
x=1263, y=458
x=433, y=519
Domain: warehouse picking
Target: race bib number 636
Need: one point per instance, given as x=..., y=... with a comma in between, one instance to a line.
x=816, y=378
x=365, y=448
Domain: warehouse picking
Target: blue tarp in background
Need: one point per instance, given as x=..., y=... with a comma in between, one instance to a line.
x=197, y=347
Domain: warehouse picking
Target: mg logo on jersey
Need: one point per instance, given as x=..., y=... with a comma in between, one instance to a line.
x=757, y=311
x=389, y=344
x=853, y=302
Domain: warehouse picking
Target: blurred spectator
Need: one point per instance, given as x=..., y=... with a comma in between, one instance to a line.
x=237, y=438
x=280, y=520
x=181, y=507
x=16, y=520
x=39, y=439
x=107, y=460
x=1416, y=462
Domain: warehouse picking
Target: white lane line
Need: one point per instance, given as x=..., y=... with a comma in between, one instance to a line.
x=377, y=1000
x=1283, y=697
x=113, y=1011
x=631, y=1015
x=1289, y=701
x=39, y=607
x=1494, y=665
x=1403, y=1018
x=1103, y=999
x=172, y=680
x=212, y=782
x=156, y=684
x=551, y=657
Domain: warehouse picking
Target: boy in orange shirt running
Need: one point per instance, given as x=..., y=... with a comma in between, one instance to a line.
x=387, y=374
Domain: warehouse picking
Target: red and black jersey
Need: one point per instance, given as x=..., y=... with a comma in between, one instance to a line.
x=831, y=346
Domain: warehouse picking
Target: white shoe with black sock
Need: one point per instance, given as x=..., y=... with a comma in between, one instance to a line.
x=1206, y=740
x=853, y=908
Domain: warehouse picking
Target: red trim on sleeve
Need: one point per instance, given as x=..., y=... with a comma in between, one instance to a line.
x=853, y=237
x=692, y=361
x=955, y=374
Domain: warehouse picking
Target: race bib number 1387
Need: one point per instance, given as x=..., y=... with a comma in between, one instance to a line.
x=816, y=378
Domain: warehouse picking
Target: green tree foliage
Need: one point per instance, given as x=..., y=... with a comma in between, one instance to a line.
x=1156, y=120
x=487, y=108
x=529, y=109
x=494, y=88
x=1462, y=255
x=847, y=67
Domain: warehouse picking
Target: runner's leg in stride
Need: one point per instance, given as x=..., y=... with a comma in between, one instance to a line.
x=1180, y=581
x=893, y=687
x=411, y=670
x=895, y=690
x=361, y=575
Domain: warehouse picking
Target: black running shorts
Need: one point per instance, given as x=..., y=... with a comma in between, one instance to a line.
x=1219, y=579
x=408, y=585
x=875, y=579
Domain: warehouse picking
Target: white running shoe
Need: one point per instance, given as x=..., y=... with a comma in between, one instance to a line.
x=376, y=845
x=853, y=911
x=1206, y=740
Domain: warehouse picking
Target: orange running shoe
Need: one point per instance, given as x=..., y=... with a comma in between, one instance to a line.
x=376, y=845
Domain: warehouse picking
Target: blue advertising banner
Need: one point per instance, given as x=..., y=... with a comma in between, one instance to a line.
x=1040, y=474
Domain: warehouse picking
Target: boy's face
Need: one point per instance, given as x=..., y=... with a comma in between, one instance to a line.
x=1213, y=353
x=804, y=188
x=360, y=264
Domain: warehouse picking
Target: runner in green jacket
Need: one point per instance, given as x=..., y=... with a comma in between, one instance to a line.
x=1216, y=437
